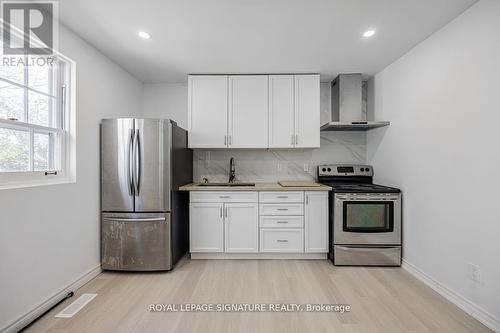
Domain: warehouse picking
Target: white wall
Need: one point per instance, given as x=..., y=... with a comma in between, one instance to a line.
x=164, y=100
x=443, y=150
x=50, y=235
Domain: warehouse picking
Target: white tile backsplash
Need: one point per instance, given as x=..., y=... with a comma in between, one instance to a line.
x=259, y=165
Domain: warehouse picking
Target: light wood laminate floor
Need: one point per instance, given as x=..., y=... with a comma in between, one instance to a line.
x=382, y=300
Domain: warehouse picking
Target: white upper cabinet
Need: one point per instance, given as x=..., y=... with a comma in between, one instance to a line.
x=254, y=111
x=207, y=111
x=248, y=111
x=281, y=111
x=294, y=111
x=307, y=111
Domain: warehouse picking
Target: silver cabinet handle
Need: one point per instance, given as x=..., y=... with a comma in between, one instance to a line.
x=224, y=197
x=130, y=157
x=282, y=196
x=220, y=211
x=137, y=163
x=282, y=240
x=293, y=141
x=307, y=200
x=281, y=221
x=296, y=139
x=225, y=140
x=225, y=210
x=152, y=219
x=282, y=209
x=230, y=140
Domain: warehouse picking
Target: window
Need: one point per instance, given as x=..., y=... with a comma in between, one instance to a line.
x=35, y=119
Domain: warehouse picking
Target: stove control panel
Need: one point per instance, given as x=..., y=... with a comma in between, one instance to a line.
x=345, y=170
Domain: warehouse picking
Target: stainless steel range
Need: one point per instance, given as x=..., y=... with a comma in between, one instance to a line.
x=365, y=218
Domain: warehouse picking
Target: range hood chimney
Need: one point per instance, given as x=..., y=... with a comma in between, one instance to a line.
x=349, y=105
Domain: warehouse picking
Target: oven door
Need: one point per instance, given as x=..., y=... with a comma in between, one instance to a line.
x=367, y=219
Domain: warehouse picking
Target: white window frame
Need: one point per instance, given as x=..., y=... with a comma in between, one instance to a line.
x=66, y=131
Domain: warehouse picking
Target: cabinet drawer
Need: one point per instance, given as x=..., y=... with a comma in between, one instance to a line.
x=282, y=209
x=282, y=240
x=281, y=221
x=223, y=196
x=281, y=197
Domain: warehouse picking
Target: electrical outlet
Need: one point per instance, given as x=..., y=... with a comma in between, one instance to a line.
x=306, y=167
x=474, y=273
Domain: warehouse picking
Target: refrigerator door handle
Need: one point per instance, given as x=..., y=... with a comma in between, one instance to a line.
x=130, y=174
x=137, y=163
x=152, y=219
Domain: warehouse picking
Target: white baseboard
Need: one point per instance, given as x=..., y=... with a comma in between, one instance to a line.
x=472, y=309
x=195, y=256
x=23, y=321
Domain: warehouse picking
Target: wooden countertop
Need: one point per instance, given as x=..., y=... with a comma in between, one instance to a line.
x=257, y=187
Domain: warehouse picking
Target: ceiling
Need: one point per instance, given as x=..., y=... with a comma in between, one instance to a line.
x=255, y=36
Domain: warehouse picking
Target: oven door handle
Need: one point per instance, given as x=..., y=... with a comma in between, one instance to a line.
x=380, y=199
x=367, y=230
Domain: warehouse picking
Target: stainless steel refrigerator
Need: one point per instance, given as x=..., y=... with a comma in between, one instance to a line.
x=144, y=220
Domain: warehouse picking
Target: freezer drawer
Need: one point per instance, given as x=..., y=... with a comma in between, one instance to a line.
x=136, y=241
x=366, y=255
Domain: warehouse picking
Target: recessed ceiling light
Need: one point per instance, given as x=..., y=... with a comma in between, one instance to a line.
x=368, y=33
x=144, y=35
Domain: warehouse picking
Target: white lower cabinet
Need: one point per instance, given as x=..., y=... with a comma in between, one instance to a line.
x=282, y=221
x=241, y=227
x=240, y=222
x=282, y=240
x=219, y=223
x=316, y=221
x=206, y=229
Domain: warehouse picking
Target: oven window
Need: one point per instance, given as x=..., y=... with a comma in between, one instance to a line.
x=368, y=216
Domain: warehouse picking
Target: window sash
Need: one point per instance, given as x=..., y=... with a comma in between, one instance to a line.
x=56, y=154
x=57, y=126
x=26, y=86
x=55, y=117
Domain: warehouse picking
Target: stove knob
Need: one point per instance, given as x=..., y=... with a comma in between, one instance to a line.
x=329, y=169
x=324, y=169
x=362, y=169
x=367, y=169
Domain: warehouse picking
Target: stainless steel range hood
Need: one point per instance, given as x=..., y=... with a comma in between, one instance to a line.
x=349, y=107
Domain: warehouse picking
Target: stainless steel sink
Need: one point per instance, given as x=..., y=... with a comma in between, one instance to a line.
x=227, y=184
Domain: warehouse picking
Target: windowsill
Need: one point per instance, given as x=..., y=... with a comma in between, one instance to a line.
x=48, y=182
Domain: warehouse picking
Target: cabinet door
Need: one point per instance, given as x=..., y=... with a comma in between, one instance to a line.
x=307, y=111
x=241, y=227
x=316, y=222
x=281, y=111
x=207, y=111
x=206, y=227
x=248, y=111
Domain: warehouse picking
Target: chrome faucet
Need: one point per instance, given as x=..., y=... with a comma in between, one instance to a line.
x=232, y=170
